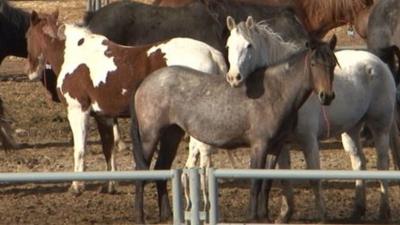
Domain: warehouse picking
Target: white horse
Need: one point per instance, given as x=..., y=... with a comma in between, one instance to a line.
x=365, y=92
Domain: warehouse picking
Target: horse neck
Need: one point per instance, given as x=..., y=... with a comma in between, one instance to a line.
x=294, y=87
x=13, y=30
x=274, y=50
x=54, y=54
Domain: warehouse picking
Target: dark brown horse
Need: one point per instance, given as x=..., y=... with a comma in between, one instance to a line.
x=259, y=114
x=13, y=24
x=147, y=23
x=317, y=16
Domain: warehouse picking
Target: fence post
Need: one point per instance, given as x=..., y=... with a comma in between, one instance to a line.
x=213, y=195
x=194, y=187
x=177, y=196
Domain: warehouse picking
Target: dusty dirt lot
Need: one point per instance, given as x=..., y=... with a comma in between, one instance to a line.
x=43, y=127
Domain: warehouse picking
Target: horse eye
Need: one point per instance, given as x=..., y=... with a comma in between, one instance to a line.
x=249, y=46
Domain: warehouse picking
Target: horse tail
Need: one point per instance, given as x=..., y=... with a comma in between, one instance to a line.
x=396, y=52
x=87, y=17
x=395, y=138
x=137, y=146
x=219, y=58
x=5, y=131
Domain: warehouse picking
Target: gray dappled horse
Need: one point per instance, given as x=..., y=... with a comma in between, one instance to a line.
x=259, y=114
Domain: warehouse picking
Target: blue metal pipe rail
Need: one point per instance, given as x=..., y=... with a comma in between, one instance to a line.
x=215, y=174
x=42, y=177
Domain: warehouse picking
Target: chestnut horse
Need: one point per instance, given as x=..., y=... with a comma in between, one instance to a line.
x=259, y=114
x=317, y=16
x=97, y=76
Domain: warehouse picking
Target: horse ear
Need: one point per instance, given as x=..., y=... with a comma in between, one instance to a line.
x=250, y=22
x=230, y=23
x=34, y=17
x=61, y=32
x=332, y=42
x=55, y=14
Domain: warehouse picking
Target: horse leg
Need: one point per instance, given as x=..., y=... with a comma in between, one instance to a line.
x=190, y=163
x=381, y=139
x=395, y=142
x=205, y=163
x=271, y=160
x=311, y=154
x=352, y=146
x=6, y=131
x=121, y=146
x=287, y=206
x=149, y=145
x=106, y=128
x=257, y=161
x=169, y=144
x=78, y=121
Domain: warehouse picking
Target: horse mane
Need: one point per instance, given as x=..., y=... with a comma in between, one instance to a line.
x=87, y=17
x=15, y=16
x=277, y=47
x=336, y=8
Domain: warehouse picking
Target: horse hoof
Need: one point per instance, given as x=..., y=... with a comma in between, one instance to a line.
x=107, y=189
x=165, y=214
x=384, y=214
x=122, y=146
x=76, y=191
x=283, y=218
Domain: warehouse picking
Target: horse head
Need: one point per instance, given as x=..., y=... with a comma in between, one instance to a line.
x=242, y=50
x=252, y=46
x=43, y=29
x=321, y=62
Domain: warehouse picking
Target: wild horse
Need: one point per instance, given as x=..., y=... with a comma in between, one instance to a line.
x=147, y=23
x=259, y=114
x=365, y=96
x=13, y=24
x=97, y=76
x=317, y=16
x=383, y=33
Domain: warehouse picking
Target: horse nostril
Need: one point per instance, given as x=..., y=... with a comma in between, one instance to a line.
x=238, y=77
x=321, y=95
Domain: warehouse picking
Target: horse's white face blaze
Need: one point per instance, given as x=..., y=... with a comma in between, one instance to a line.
x=36, y=63
x=242, y=58
x=82, y=47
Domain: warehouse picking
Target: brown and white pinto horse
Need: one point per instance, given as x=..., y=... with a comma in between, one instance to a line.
x=317, y=16
x=97, y=76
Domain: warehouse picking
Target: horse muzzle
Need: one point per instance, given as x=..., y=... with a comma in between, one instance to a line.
x=326, y=98
x=235, y=80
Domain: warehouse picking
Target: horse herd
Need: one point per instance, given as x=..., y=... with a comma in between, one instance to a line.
x=272, y=83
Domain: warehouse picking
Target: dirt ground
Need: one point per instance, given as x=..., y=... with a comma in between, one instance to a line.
x=43, y=127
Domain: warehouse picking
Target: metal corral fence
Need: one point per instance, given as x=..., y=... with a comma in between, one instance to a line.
x=215, y=174
x=43, y=177
x=195, y=216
